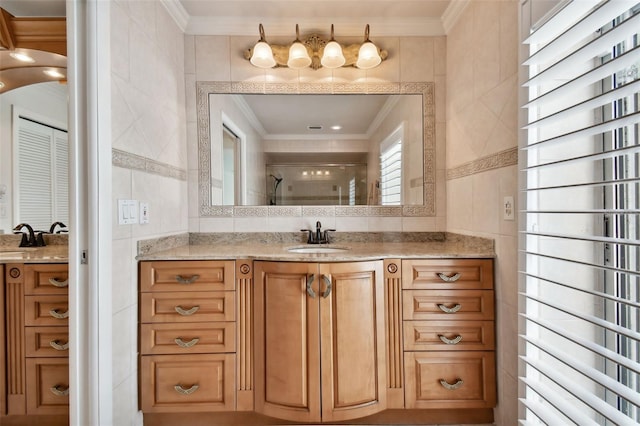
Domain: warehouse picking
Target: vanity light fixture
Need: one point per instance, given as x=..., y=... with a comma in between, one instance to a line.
x=315, y=52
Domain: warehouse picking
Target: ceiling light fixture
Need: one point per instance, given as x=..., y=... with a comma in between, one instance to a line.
x=1, y=85
x=315, y=52
x=22, y=57
x=51, y=72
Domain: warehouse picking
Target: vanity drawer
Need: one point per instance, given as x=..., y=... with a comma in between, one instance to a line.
x=46, y=341
x=449, y=335
x=458, y=274
x=450, y=379
x=46, y=310
x=183, y=338
x=187, y=383
x=198, y=275
x=47, y=385
x=447, y=305
x=50, y=278
x=187, y=306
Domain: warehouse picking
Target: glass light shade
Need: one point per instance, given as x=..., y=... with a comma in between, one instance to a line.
x=332, y=57
x=298, y=56
x=262, y=56
x=368, y=56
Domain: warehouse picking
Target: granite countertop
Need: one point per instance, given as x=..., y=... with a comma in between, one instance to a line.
x=56, y=250
x=201, y=247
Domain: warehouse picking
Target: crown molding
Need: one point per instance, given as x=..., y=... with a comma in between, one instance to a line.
x=380, y=27
x=177, y=12
x=453, y=12
x=249, y=114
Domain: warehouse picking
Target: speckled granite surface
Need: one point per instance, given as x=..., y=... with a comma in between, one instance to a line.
x=55, y=251
x=356, y=246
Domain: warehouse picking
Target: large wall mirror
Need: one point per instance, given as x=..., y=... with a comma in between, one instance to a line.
x=316, y=145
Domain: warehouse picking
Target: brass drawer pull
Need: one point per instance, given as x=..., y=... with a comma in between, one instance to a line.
x=60, y=315
x=448, y=310
x=55, y=344
x=453, y=278
x=447, y=385
x=448, y=341
x=186, y=312
x=190, y=280
x=58, y=390
x=60, y=284
x=186, y=391
x=184, y=344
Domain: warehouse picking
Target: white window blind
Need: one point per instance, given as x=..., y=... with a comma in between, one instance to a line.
x=580, y=279
x=42, y=195
x=391, y=174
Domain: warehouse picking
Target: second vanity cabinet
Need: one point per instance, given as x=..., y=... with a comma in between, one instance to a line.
x=319, y=340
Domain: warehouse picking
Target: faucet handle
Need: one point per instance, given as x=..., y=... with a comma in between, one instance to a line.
x=24, y=242
x=40, y=239
x=310, y=237
x=327, y=240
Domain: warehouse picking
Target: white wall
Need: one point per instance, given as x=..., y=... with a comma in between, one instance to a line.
x=46, y=102
x=220, y=58
x=148, y=121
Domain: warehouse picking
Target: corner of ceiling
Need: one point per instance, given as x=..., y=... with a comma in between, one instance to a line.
x=177, y=12
x=452, y=14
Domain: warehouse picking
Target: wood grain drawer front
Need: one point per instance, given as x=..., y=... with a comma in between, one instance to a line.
x=199, y=275
x=47, y=341
x=188, y=383
x=47, y=386
x=187, y=338
x=46, y=310
x=447, y=305
x=50, y=278
x=460, y=274
x=450, y=379
x=187, y=306
x=449, y=335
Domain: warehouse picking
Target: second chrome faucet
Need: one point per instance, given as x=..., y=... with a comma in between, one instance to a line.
x=318, y=236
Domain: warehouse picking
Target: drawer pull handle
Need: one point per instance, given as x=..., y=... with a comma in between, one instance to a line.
x=310, y=292
x=448, y=341
x=186, y=312
x=447, y=385
x=184, y=344
x=449, y=279
x=60, y=284
x=327, y=291
x=55, y=344
x=60, y=315
x=186, y=391
x=190, y=280
x=59, y=390
x=448, y=310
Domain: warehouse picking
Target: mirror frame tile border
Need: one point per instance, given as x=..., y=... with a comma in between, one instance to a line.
x=426, y=89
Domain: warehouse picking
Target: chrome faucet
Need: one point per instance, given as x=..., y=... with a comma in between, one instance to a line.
x=319, y=236
x=31, y=240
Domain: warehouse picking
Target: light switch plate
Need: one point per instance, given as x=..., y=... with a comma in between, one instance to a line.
x=127, y=212
x=508, y=208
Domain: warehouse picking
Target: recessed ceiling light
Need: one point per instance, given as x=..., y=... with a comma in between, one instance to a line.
x=22, y=57
x=1, y=85
x=336, y=127
x=53, y=73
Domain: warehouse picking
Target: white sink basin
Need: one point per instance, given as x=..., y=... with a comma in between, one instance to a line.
x=318, y=249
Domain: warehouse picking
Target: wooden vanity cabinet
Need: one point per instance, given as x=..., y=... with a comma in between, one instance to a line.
x=37, y=342
x=187, y=336
x=319, y=340
x=448, y=330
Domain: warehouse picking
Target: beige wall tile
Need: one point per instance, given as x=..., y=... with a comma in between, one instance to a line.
x=212, y=58
x=419, y=224
x=486, y=205
x=417, y=60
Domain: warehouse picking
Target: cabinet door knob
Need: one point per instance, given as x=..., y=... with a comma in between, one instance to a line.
x=60, y=284
x=449, y=279
x=447, y=385
x=448, y=341
x=189, y=280
x=327, y=291
x=186, y=391
x=310, y=291
x=57, y=314
x=184, y=344
x=55, y=344
x=186, y=312
x=448, y=310
x=58, y=390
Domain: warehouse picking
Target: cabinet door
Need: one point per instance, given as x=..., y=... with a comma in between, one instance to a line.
x=352, y=340
x=287, y=351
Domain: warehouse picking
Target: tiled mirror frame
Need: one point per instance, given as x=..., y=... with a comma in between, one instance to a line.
x=426, y=89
